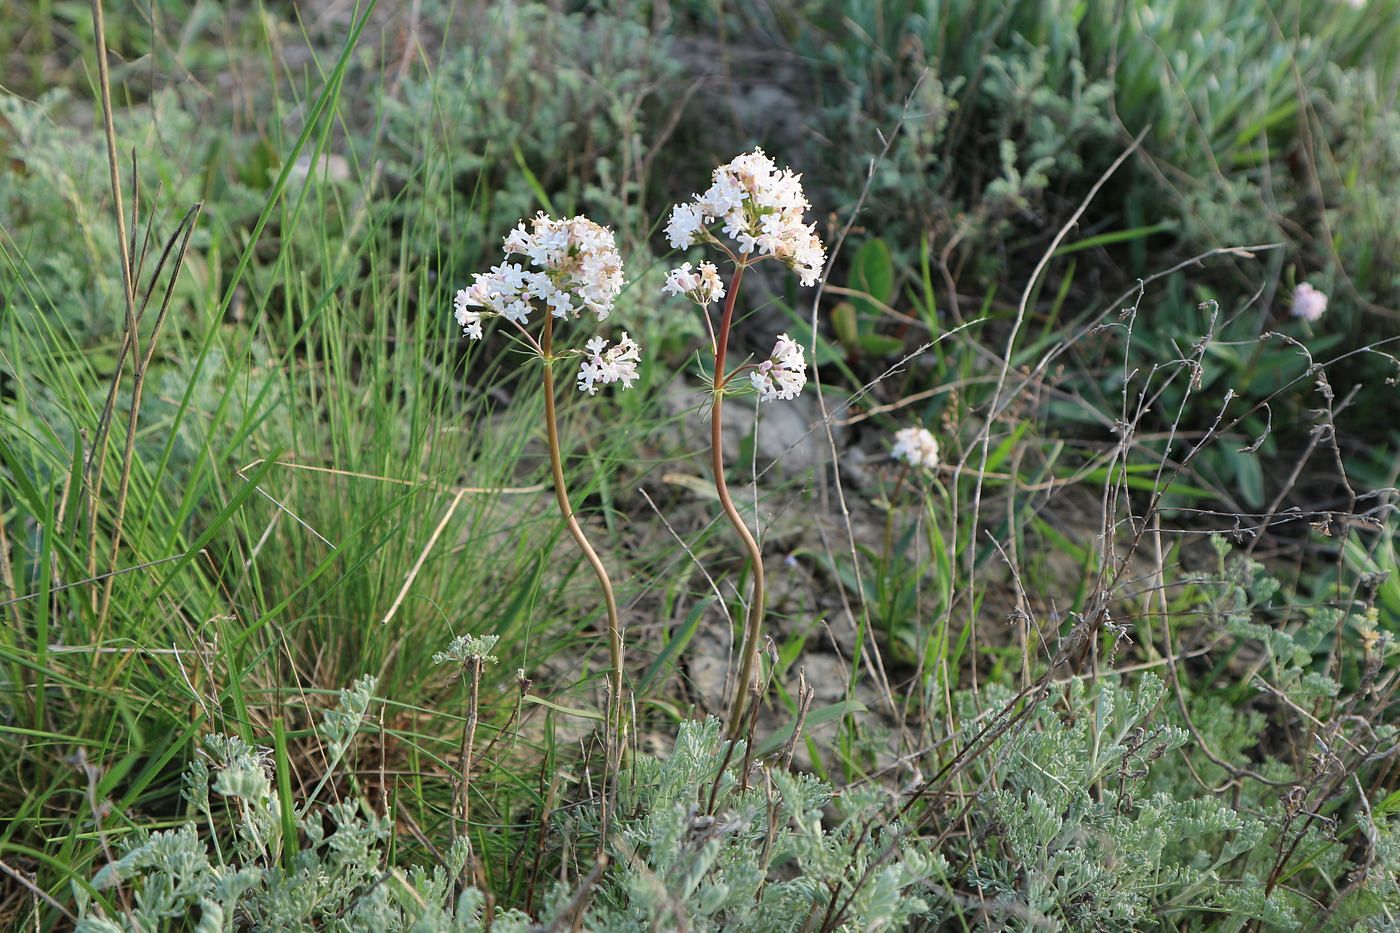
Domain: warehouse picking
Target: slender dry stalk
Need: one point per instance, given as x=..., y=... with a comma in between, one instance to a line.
x=140, y=366
x=869, y=654
x=104, y=84
x=37, y=891
x=422, y=557
x=462, y=803
x=101, y=576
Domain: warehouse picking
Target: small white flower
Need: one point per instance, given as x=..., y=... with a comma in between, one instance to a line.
x=467, y=317
x=1308, y=303
x=551, y=244
x=604, y=365
x=701, y=286
x=686, y=221
x=711, y=287
x=808, y=259
x=510, y=276
x=725, y=195
x=681, y=281
x=466, y=298
x=560, y=305
x=517, y=241
x=783, y=374
x=538, y=285
x=916, y=447
x=590, y=372
x=735, y=223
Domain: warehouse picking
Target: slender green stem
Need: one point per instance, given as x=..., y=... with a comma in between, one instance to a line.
x=561, y=496
x=883, y=587
x=889, y=521
x=753, y=627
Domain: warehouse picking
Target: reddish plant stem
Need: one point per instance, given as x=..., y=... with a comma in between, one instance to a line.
x=753, y=627
x=561, y=496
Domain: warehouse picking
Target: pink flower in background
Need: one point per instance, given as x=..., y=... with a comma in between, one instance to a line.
x=1308, y=303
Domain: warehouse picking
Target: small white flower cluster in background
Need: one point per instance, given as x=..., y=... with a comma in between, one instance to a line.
x=916, y=447
x=762, y=207
x=576, y=267
x=783, y=374
x=604, y=365
x=703, y=286
x=1308, y=303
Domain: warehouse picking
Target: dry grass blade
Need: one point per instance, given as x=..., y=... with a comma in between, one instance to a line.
x=423, y=556
x=104, y=84
x=141, y=365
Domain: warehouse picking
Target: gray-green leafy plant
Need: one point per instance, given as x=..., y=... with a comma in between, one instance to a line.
x=744, y=848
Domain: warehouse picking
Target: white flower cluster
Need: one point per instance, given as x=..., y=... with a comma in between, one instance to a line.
x=604, y=365
x=1308, y=303
x=761, y=206
x=702, y=286
x=916, y=447
x=783, y=374
x=576, y=267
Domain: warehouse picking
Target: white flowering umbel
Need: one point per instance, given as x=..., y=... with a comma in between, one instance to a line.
x=568, y=268
x=554, y=272
x=758, y=211
x=759, y=208
x=605, y=365
x=916, y=447
x=574, y=266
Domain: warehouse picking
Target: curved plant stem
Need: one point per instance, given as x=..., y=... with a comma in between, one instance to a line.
x=753, y=627
x=561, y=496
